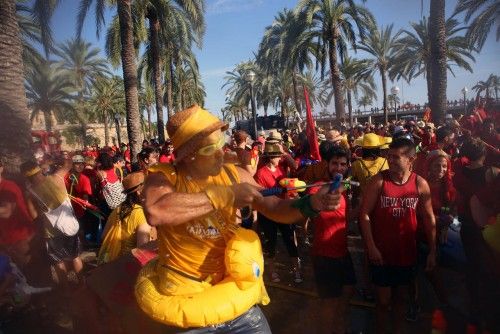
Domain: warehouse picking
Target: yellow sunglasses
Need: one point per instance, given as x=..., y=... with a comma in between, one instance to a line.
x=212, y=148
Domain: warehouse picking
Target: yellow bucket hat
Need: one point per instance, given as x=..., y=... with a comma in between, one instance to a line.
x=372, y=140
x=188, y=127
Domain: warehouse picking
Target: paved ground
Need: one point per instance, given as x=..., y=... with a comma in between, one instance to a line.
x=293, y=308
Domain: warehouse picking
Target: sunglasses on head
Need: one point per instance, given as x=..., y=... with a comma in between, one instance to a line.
x=212, y=148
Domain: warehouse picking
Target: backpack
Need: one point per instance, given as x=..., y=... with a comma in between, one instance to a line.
x=113, y=193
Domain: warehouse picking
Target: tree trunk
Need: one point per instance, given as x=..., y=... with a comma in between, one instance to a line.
x=14, y=112
x=170, y=90
x=349, y=105
x=296, y=93
x=150, y=134
x=130, y=77
x=266, y=105
x=437, y=34
x=384, y=90
x=106, y=130
x=429, y=82
x=48, y=121
x=336, y=79
x=154, y=28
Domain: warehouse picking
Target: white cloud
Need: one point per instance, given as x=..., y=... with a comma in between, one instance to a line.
x=229, y=6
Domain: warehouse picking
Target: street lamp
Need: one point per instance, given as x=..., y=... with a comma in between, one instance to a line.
x=464, y=91
x=117, y=126
x=395, y=92
x=250, y=78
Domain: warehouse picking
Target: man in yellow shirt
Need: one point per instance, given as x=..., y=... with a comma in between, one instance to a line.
x=193, y=206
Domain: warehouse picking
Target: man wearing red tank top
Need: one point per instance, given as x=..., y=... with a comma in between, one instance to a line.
x=388, y=219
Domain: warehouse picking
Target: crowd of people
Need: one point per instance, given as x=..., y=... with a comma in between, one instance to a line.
x=404, y=184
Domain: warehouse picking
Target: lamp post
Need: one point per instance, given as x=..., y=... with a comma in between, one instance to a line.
x=117, y=126
x=464, y=91
x=250, y=78
x=395, y=91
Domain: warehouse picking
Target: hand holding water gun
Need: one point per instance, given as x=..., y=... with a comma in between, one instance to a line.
x=296, y=185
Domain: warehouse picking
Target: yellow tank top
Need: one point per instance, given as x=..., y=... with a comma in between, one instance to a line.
x=197, y=248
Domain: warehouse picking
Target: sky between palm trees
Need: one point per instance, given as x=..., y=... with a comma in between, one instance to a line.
x=235, y=28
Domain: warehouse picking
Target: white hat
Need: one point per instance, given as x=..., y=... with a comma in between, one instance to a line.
x=78, y=159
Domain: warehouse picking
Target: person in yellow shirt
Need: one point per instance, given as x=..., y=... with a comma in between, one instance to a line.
x=127, y=227
x=371, y=163
x=193, y=205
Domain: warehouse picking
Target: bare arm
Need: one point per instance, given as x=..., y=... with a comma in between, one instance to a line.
x=281, y=210
x=368, y=202
x=425, y=207
x=143, y=234
x=164, y=206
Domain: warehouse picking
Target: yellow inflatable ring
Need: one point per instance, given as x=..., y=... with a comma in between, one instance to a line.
x=206, y=304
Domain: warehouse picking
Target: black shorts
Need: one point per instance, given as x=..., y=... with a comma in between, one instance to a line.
x=392, y=276
x=63, y=248
x=332, y=274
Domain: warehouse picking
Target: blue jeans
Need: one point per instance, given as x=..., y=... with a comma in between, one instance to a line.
x=252, y=321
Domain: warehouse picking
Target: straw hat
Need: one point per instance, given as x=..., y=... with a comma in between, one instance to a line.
x=272, y=150
x=274, y=137
x=133, y=182
x=421, y=124
x=372, y=140
x=189, y=127
x=78, y=159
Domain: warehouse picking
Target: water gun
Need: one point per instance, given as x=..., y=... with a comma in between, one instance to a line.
x=307, y=162
x=299, y=186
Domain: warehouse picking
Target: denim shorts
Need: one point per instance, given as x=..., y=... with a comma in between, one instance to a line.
x=252, y=321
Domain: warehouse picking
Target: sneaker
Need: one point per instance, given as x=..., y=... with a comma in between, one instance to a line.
x=275, y=277
x=298, y=277
x=412, y=313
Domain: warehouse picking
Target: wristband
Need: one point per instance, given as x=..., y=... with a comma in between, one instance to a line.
x=220, y=196
x=305, y=207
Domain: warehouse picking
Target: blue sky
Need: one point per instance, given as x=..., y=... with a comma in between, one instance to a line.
x=235, y=28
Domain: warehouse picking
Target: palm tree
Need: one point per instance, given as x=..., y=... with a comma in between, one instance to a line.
x=107, y=99
x=47, y=89
x=437, y=34
x=13, y=103
x=128, y=61
x=488, y=86
x=189, y=88
x=357, y=77
x=146, y=101
x=30, y=36
x=334, y=23
x=364, y=101
x=380, y=44
x=413, y=52
x=82, y=64
x=488, y=16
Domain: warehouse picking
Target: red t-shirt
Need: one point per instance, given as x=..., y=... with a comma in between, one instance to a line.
x=267, y=178
x=19, y=225
x=111, y=176
x=330, y=235
x=394, y=221
x=78, y=188
x=166, y=159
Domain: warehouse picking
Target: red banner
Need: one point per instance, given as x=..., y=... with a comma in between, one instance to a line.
x=312, y=138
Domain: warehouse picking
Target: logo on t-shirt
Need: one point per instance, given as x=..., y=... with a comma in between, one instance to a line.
x=399, y=205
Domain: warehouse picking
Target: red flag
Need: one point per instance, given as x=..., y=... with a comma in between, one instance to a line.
x=312, y=138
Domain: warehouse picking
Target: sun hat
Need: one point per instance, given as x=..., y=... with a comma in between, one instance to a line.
x=372, y=140
x=421, y=124
x=133, y=182
x=78, y=159
x=274, y=137
x=272, y=150
x=321, y=137
x=189, y=127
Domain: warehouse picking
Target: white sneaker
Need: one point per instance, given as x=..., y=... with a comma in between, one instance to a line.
x=275, y=277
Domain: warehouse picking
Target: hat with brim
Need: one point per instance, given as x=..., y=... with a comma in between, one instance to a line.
x=272, y=150
x=133, y=182
x=372, y=140
x=188, y=128
x=274, y=137
x=421, y=124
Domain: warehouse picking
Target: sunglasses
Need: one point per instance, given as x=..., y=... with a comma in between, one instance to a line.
x=212, y=148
